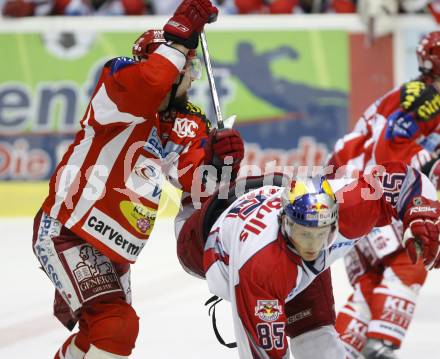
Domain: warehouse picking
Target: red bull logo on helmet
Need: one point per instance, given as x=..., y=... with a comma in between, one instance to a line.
x=318, y=207
x=318, y=211
x=268, y=310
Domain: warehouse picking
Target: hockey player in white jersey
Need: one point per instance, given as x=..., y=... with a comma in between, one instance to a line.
x=263, y=248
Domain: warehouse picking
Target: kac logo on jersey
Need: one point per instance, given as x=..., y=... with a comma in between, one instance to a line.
x=268, y=310
x=185, y=127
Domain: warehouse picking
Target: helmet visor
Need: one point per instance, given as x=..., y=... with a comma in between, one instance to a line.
x=195, y=68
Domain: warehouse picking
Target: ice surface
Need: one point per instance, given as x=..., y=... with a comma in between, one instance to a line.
x=174, y=323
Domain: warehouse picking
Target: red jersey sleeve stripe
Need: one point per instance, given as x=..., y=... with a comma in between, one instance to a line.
x=104, y=163
x=106, y=111
x=75, y=159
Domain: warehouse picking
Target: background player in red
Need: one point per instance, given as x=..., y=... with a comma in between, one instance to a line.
x=263, y=248
x=105, y=192
x=402, y=125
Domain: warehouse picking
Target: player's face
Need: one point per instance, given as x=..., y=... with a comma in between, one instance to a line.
x=194, y=67
x=308, y=241
x=192, y=71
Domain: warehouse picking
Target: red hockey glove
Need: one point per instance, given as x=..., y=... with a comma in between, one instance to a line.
x=223, y=143
x=421, y=226
x=18, y=8
x=188, y=21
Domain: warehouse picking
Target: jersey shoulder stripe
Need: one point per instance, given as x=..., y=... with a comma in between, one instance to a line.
x=118, y=63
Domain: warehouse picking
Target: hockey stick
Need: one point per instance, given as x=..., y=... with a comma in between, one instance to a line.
x=371, y=31
x=210, y=75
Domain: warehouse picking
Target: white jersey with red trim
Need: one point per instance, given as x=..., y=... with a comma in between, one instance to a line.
x=107, y=187
x=248, y=262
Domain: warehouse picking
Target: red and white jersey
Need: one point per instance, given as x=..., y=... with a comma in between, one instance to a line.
x=370, y=252
x=107, y=187
x=248, y=262
x=368, y=144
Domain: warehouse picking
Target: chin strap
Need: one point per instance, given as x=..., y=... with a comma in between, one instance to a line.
x=173, y=93
x=282, y=233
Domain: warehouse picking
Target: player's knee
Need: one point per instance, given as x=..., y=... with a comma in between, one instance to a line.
x=414, y=275
x=355, y=308
x=114, y=326
x=395, y=288
x=392, y=307
x=400, y=268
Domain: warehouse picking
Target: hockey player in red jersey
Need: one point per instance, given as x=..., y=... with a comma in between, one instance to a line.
x=104, y=194
x=402, y=125
x=261, y=249
x=186, y=131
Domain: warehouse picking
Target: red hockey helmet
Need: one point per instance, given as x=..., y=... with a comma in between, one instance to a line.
x=428, y=54
x=147, y=43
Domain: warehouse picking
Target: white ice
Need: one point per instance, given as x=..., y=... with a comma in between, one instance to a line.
x=174, y=323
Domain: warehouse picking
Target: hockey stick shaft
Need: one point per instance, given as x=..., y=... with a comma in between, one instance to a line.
x=214, y=94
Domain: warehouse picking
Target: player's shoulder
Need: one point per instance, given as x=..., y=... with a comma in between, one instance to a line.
x=409, y=92
x=421, y=98
x=118, y=63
